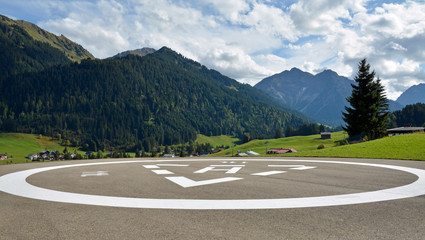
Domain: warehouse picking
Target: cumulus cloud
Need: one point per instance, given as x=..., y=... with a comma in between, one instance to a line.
x=251, y=39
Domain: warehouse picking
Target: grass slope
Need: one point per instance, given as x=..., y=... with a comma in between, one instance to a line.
x=299, y=143
x=73, y=51
x=410, y=147
x=215, y=141
x=19, y=145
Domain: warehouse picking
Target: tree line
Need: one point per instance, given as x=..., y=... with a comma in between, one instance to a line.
x=132, y=103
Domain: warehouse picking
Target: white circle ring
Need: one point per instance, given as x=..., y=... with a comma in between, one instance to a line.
x=16, y=184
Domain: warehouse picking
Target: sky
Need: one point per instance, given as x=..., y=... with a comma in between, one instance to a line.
x=249, y=40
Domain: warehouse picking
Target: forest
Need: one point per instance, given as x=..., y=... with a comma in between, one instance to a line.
x=410, y=115
x=137, y=103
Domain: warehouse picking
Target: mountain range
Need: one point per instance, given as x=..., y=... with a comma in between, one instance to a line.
x=129, y=102
x=321, y=96
x=143, y=98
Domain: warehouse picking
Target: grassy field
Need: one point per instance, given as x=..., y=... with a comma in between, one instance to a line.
x=299, y=143
x=409, y=147
x=217, y=140
x=19, y=145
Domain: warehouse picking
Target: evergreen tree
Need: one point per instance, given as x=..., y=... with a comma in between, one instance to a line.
x=278, y=133
x=368, y=113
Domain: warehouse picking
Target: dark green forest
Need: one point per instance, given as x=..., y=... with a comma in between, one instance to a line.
x=137, y=103
x=20, y=53
x=410, y=115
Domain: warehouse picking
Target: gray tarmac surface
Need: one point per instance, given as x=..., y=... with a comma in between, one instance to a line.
x=24, y=218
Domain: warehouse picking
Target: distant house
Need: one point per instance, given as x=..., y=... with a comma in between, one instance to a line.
x=404, y=130
x=3, y=156
x=325, y=135
x=251, y=153
x=280, y=150
x=89, y=154
x=33, y=157
x=168, y=155
x=217, y=150
x=44, y=155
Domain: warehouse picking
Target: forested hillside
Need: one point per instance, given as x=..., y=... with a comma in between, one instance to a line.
x=137, y=103
x=19, y=52
x=413, y=115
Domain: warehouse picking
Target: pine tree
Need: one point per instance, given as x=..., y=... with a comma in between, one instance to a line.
x=368, y=114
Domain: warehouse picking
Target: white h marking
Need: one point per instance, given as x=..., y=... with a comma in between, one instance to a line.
x=233, y=169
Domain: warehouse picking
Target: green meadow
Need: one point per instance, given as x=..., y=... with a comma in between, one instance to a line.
x=299, y=143
x=19, y=145
x=222, y=140
x=408, y=147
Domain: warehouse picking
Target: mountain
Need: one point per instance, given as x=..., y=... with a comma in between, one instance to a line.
x=413, y=95
x=24, y=47
x=137, y=102
x=321, y=97
x=139, y=52
x=72, y=51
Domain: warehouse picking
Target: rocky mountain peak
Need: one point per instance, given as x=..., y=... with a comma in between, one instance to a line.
x=139, y=52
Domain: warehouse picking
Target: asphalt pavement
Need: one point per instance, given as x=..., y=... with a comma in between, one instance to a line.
x=211, y=198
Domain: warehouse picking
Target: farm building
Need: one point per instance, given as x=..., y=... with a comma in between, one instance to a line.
x=325, y=135
x=280, y=150
x=404, y=130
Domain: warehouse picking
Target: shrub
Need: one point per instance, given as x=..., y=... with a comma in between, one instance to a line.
x=321, y=146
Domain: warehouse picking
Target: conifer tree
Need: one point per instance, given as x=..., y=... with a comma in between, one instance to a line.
x=368, y=114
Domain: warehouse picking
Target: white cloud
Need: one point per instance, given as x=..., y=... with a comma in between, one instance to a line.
x=250, y=39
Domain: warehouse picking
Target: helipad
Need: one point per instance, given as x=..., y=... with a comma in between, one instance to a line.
x=217, y=172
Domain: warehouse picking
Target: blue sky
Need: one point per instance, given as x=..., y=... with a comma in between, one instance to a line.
x=249, y=39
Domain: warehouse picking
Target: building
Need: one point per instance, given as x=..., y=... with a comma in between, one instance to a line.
x=325, y=135
x=33, y=157
x=280, y=150
x=251, y=153
x=168, y=155
x=404, y=130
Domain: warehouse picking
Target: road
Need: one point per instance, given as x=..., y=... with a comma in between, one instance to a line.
x=210, y=198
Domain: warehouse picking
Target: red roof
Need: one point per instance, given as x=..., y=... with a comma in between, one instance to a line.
x=280, y=150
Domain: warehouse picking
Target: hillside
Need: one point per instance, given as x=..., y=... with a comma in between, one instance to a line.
x=409, y=147
x=137, y=103
x=299, y=143
x=411, y=115
x=19, y=145
x=72, y=51
x=19, y=52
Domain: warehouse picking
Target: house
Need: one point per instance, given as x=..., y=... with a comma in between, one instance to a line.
x=168, y=155
x=280, y=150
x=33, y=157
x=325, y=135
x=3, y=156
x=251, y=153
x=404, y=130
x=44, y=155
x=89, y=154
x=217, y=150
